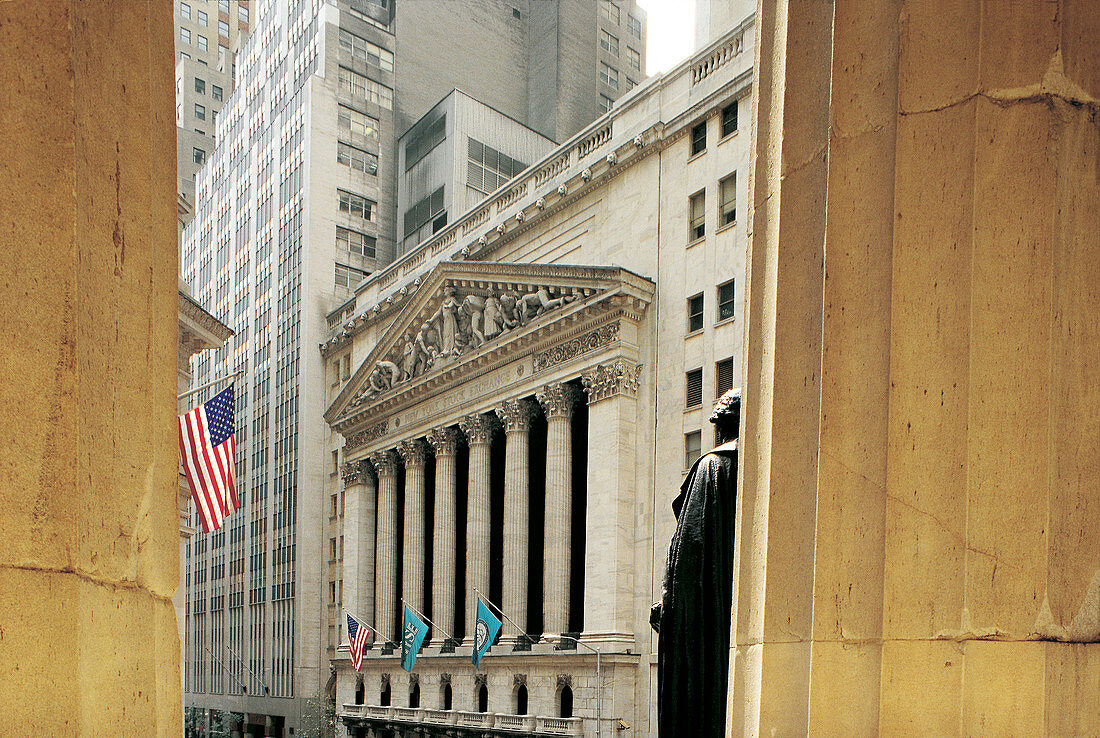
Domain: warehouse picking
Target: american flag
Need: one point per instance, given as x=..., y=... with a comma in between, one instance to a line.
x=357, y=637
x=209, y=457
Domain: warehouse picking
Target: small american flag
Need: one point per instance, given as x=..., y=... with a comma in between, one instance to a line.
x=357, y=638
x=209, y=457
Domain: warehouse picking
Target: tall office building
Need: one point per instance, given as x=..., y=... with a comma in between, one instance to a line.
x=296, y=204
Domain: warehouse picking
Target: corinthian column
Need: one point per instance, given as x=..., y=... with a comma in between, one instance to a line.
x=516, y=417
x=385, y=587
x=557, y=401
x=359, y=528
x=413, y=452
x=479, y=432
x=443, y=441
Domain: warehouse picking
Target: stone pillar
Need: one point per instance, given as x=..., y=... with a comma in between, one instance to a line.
x=385, y=589
x=89, y=288
x=414, y=453
x=516, y=417
x=479, y=433
x=360, y=493
x=443, y=441
x=557, y=401
x=609, y=539
x=919, y=525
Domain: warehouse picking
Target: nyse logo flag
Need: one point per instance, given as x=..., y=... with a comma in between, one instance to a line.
x=413, y=631
x=209, y=457
x=485, y=631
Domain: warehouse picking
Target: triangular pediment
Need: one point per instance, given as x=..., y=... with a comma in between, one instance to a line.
x=467, y=313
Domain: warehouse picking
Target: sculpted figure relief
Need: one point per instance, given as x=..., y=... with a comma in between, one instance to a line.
x=461, y=324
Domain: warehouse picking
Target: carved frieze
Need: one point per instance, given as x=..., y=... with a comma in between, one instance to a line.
x=516, y=415
x=602, y=336
x=557, y=399
x=619, y=377
x=367, y=435
x=478, y=428
x=443, y=441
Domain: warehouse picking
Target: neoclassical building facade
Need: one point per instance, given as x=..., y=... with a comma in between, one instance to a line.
x=513, y=406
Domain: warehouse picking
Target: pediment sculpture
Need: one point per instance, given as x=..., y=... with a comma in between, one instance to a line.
x=464, y=321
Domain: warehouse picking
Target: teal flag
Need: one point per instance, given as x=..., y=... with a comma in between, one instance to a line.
x=413, y=631
x=485, y=631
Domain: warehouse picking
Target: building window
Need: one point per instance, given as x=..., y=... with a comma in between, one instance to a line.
x=242, y=13
x=223, y=29
x=200, y=112
x=516, y=14
x=355, y=242
x=634, y=59
x=483, y=699
x=202, y=42
x=695, y=313
x=359, y=86
x=200, y=86
x=693, y=447
x=347, y=375
x=521, y=700
x=356, y=205
x=699, y=138
x=630, y=84
x=725, y=300
x=353, y=124
x=610, y=11
x=727, y=200
x=723, y=376
x=487, y=168
x=185, y=35
x=605, y=103
x=424, y=213
x=423, y=140
x=609, y=43
x=334, y=470
x=332, y=557
x=347, y=277
x=185, y=11
x=216, y=93
x=729, y=119
x=635, y=26
x=697, y=227
x=693, y=388
x=356, y=158
x=184, y=55
x=609, y=76
x=203, y=19
x=223, y=5
x=198, y=155
x=364, y=50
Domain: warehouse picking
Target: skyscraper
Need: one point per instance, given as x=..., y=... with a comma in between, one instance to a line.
x=295, y=205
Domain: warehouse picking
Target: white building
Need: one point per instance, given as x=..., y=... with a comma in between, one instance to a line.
x=530, y=385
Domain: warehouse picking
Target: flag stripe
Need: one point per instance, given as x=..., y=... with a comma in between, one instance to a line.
x=201, y=439
x=185, y=455
x=194, y=476
x=210, y=468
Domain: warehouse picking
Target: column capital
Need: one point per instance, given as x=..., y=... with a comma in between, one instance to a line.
x=557, y=399
x=354, y=472
x=619, y=377
x=443, y=440
x=478, y=428
x=385, y=463
x=413, y=452
x=516, y=415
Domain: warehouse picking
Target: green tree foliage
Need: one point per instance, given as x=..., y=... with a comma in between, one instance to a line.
x=318, y=718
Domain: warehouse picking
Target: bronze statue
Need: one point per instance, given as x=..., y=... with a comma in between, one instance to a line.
x=693, y=617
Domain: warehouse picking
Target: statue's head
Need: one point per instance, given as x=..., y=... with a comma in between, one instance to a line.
x=727, y=415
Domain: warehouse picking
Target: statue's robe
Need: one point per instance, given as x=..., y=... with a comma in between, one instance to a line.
x=694, y=617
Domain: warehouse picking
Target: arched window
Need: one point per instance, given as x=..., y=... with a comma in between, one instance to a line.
x=521, y=700
x=447, y=696
x=566, y=702
x=414, y=695
x=483, y=699
x=359, y=693
x=385, y=698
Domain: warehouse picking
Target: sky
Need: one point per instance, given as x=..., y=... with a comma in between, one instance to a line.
x=671, y=31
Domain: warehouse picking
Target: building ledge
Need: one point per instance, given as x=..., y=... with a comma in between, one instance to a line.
x=403, y=718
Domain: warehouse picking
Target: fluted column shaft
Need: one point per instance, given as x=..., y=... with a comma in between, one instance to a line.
x=443, y=441
x=414, y=453
x=479, y=432
x=516, y=417
x=360, y=489
x=385, y=591
x=557, y=400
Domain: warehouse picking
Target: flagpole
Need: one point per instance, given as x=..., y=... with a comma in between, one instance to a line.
x=260, y=679
x=599, y=681
x=200, y=388
x=365, y=624
x=406, y=604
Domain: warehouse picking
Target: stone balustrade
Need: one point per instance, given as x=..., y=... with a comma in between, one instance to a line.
x=499, y=722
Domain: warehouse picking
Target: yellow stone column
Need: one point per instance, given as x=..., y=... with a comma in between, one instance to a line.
x=88, y=279
x=414, y=453
x=444, y=551
x=479, y=434
x=919, y=527
x=360, y=498
x=385, y=588
x=516, y=415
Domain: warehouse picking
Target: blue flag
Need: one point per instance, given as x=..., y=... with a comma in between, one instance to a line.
x=485, y=631
x=413, y=631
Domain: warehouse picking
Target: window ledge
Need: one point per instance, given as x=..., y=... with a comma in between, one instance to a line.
x=693, y=408
x=693, y=334
x=696, y=242
x=728, y=137
x=726, y=227
x=693, y=157
x=723, y=321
